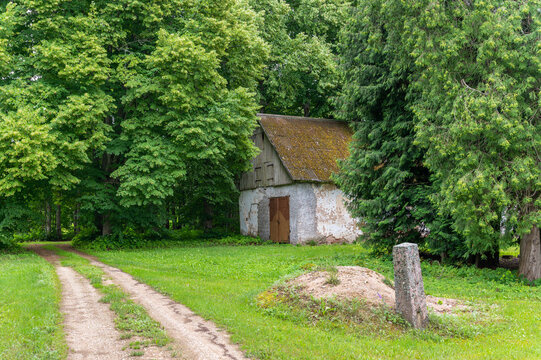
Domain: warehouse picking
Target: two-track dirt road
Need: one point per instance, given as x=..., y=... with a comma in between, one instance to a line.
x=89, y=324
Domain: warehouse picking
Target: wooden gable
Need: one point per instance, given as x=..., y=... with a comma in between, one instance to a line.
x=267, y=168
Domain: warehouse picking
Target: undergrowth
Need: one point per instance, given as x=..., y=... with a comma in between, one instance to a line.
x=131, y=319
x=8, y=244
x=129, y=239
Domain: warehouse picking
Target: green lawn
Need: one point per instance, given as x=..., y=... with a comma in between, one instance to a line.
x=30, y=323
x=221, y=283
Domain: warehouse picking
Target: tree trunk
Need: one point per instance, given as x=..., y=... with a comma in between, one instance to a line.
x=76, y=219
x=208, y=214
x=174, y=220
x=306, y=108
x=491, y=260
x=98, y=221
x=530, y=255
x=47, y=217
x=58, y=222
x=167, y=216
x=106, y=226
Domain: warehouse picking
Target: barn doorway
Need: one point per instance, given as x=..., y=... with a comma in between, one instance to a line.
x=279, y=219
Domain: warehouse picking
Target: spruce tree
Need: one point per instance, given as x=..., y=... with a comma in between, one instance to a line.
x=385, y=179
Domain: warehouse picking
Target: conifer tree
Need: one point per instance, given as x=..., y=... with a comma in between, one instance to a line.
x=385, y=178
x=473, y=91
x=478, y=87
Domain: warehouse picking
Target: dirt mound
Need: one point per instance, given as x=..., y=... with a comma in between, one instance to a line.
x=362, y=283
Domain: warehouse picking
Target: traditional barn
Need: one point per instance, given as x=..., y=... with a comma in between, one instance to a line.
x=289, y=195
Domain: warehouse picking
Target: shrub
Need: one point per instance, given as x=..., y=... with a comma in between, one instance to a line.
x=240, y=240
x=85, y=236
x=7, y=242
x=126, y=239
x=88, y=238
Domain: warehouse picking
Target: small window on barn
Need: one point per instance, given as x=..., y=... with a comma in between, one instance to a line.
x=269, y=172
x=258, y=175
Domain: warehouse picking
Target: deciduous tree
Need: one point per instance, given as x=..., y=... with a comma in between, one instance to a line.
x=301, y=75
x=111, y=102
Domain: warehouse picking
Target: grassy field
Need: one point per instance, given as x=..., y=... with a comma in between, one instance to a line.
x=222, y=283
x=30, y=324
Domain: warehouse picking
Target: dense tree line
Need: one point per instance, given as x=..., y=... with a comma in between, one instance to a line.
x=445, y=98
x=114, y=111
x=139, y=114
x=133, y=114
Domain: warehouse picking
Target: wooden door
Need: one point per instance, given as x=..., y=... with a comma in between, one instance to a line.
x=279, y=219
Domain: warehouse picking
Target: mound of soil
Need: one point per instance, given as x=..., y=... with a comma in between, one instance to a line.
x=361, y=283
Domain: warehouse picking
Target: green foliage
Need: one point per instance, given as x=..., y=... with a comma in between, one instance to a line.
x=117, y=109
x=126, y=239
x=301, y=75
x=239, y=240
x=450, y=88
x=87, y=239
x=7, y=242
x=477, y=101
x=385, y=178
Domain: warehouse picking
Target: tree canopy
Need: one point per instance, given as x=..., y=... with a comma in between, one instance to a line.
x=118, y=104
x=385, y=177
x=301, y=75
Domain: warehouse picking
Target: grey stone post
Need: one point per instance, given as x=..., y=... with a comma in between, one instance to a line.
x=408, y=284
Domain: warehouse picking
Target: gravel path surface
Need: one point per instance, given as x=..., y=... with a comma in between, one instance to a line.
x=198, y=339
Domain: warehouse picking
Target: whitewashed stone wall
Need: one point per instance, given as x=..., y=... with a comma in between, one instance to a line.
x=334, y=221
x=316, y=212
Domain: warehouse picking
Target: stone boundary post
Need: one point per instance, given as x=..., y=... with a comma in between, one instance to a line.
x=408, y=282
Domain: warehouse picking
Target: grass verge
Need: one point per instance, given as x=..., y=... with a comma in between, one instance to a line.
x=131, y=319
x=223, y=284
x=30, y=321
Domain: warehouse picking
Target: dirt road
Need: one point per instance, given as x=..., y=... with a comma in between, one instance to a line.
x=89, y=324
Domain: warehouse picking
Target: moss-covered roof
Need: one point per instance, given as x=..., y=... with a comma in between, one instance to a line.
x=309, y=148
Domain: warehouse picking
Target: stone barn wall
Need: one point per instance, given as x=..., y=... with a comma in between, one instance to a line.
x=317, y=212
x=334, y=222
x=255, y=217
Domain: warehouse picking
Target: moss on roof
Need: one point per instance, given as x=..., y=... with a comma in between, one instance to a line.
x=309, y=148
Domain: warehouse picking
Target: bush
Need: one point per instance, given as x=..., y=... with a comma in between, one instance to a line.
x=7, y=242
x=240, y=240
x=186, y=233
x=88, y=238
x=39, y=235
x=32, y=235
x=126, y=239
x=85, y=236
